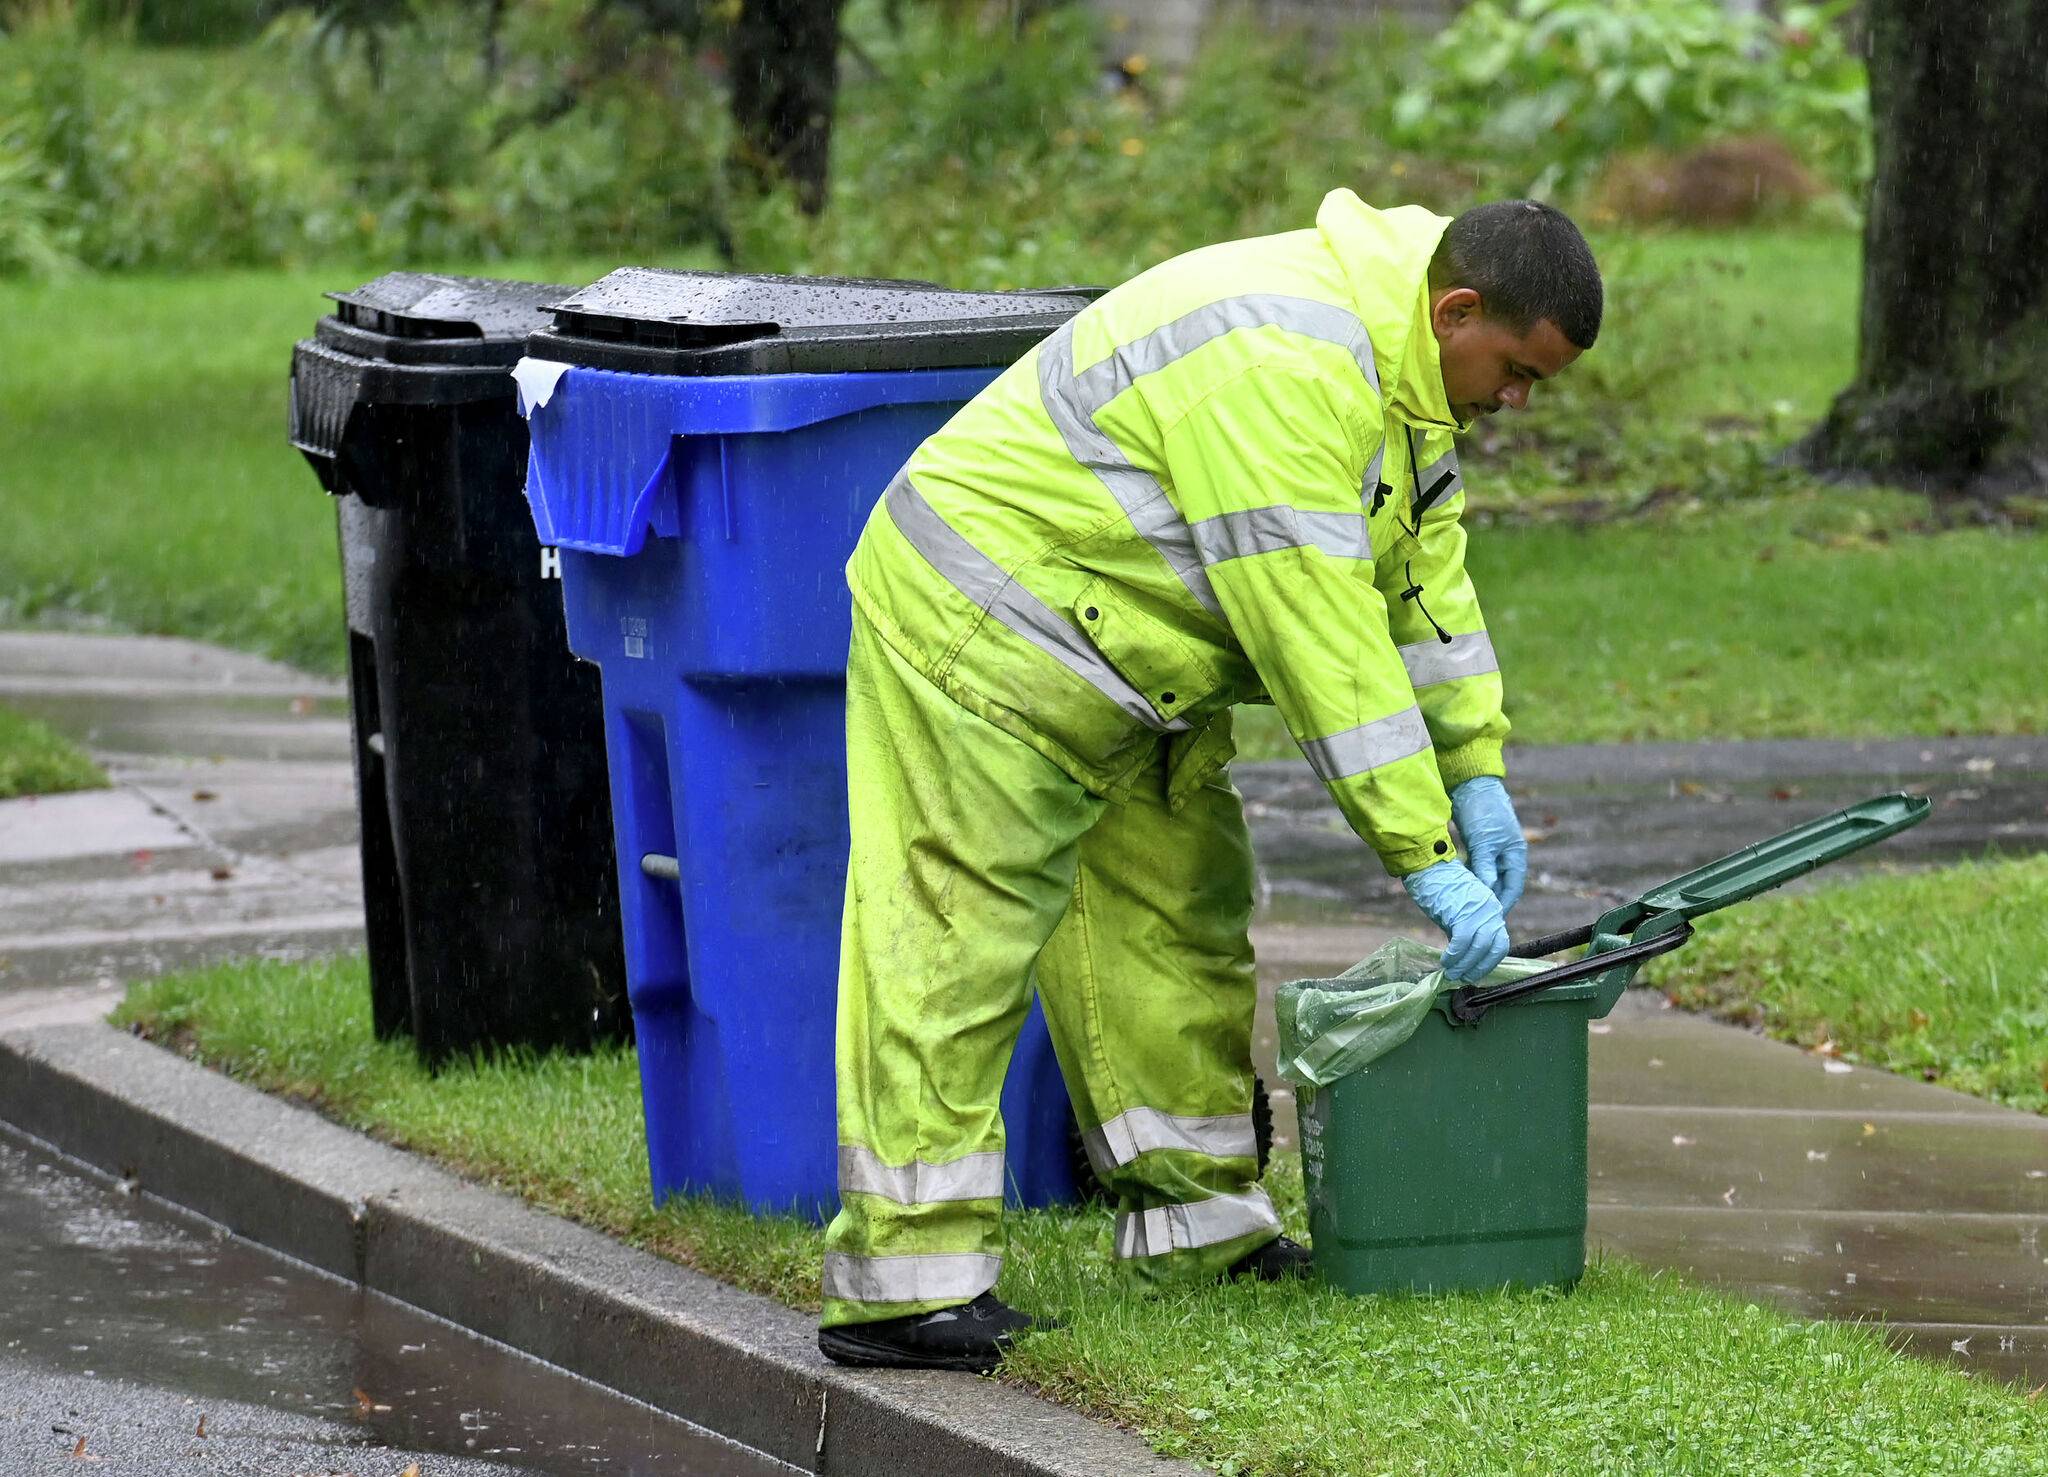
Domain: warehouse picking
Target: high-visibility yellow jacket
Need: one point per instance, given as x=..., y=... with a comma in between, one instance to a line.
x=1229, y=480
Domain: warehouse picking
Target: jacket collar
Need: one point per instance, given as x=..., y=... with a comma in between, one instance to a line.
x=1385, y=258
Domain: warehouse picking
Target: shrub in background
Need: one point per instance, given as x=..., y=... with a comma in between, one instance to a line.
x=973, y=146
x=1540, y=94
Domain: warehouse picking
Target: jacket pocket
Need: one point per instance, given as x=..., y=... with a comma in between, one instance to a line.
x=1195, y=757
x=1146, y=652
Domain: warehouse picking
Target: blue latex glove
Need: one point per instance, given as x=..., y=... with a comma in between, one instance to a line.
x=1468, y=913
x=1494, y=847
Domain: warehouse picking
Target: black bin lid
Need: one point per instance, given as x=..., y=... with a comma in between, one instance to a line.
x=428, y=318
x=654, y=321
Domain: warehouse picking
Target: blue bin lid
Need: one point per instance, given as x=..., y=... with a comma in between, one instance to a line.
x=429, y=318
x=653, y=321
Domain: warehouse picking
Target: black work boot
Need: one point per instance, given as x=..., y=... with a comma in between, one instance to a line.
x=973, y=1337
x=1278, y=1259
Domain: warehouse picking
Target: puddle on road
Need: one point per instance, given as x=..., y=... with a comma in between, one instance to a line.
x=96, y=1283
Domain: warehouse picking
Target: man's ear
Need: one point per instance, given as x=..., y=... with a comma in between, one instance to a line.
x=1454, y=308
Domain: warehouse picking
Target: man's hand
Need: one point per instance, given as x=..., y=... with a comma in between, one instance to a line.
x=1467, y=912
x=1494, y=846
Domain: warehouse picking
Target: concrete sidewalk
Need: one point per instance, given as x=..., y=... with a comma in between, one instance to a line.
x=230, y=830
x=1749, y=1164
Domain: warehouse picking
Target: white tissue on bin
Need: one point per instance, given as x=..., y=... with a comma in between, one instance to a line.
x=536, y=379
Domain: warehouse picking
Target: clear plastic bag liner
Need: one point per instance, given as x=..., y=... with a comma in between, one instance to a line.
x=1331, y=1028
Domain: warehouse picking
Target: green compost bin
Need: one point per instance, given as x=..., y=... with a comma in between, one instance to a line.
x=1457, y=1160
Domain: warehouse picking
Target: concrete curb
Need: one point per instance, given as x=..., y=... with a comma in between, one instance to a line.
x=733, y=1362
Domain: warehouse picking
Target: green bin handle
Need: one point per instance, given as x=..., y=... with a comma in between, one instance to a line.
x=1670, y=907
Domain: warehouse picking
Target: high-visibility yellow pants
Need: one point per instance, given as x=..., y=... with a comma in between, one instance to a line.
x=980, y=869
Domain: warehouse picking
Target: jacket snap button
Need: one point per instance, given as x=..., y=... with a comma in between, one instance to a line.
x=1442, y=847
x=1166, y=697
x=1090, y=613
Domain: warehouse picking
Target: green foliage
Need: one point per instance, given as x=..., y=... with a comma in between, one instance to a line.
x=1631, y=1372
x=135, y=159
x=36, y=760
x=1079, y=184
x=969, y=147
x=177, y=22
x=1539, y=94
x=1941, y=975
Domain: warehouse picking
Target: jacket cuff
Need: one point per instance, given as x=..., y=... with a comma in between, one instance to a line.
x=1469, y=761
x=1415, y=858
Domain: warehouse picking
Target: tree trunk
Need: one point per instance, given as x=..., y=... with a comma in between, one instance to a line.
x=785, y=74
x=1951, y=390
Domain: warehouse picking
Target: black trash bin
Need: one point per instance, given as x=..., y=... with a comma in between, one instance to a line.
x=488, y=871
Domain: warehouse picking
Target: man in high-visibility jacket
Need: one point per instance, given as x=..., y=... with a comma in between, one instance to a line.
x=1229, y=480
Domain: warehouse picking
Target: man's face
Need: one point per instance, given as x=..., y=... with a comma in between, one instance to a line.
x=1486, y=364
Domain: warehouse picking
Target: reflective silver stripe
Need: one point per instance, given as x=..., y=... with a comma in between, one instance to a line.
x=1433, y=661
x=1267, y=530
x=983, y=581
x=1369, y=746
x=1140, y=1130
x=1102, y=382
x=1201, y=1223
x=971, y=1177
x=1437, y=482
x=1073, y=400
x=1138, y=493
x=936, y=1277
x=1373, y=470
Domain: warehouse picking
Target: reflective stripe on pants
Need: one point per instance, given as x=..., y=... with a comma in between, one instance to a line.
x=1217, y=1220
x=979, y=868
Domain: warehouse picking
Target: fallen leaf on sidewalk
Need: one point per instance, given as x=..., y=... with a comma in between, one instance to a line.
x=202, y=1427
x=366, y=1407
x=204, y=795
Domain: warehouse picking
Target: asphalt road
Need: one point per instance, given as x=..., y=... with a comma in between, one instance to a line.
x=138, y=1339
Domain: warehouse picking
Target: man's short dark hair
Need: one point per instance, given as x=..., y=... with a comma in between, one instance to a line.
x=1527, y=262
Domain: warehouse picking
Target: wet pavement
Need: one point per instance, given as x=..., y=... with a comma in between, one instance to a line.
x=167, y=1346
x=1607, y=822
x=1741, y=1162
x=230, y=832
x=1835, y=1192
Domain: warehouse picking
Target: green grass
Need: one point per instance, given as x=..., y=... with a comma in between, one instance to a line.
x=1941, y=975
x=1753, y=319
x=144, y=473
x=36, y=760
x=145, y=479
x=1823, y=613
x=1632, y=1372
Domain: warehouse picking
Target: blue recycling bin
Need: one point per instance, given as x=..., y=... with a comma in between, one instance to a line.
x=705, y=449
